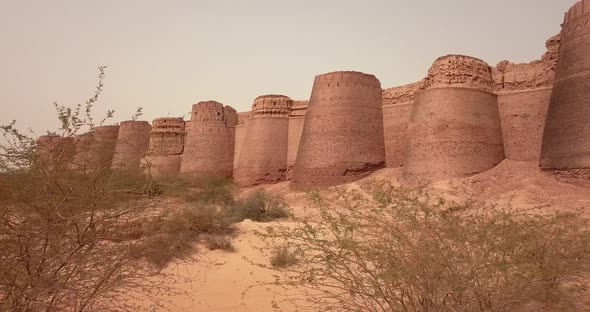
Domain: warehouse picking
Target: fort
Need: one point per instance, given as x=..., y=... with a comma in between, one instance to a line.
x=164, y=155
x=566, y=140
x=454, y=129
x=463, y=118
x=342, y=137
x=132, y=144
x=210, y=141
x=263, y=152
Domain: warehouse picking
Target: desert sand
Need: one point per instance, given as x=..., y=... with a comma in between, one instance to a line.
x=234, y=281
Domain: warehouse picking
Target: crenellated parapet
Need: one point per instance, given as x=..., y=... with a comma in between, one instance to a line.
x=346, y=79
x=576, y=21
x=271, y=105
x=299, y=109
x=454, y=128
x=208, y=112
x=262, y=148
x=210, y=139
x=168, y=125
x=342, y=138
x=167, y=136
x=459, y=71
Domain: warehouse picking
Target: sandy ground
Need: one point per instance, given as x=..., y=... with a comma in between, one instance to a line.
x=220, y=281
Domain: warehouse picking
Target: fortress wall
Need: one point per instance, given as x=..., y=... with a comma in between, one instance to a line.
x=166, y=145
x=55, y=152
x=132, y=145
x=44, y=148
x=210, y=139
x=342, y=138
x=397, y=108
x=455, y=126
x=83, y=158
x=523, y=92
x=240, y=133
x=103, y=149
x=523, y=117
x=566, y=140
x=296, y=122
x=263, y=155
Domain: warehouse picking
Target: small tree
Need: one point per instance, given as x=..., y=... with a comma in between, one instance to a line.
x=411, y=252
x=65, y=235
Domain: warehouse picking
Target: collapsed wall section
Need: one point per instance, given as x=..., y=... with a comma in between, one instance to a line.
x=263, y=154
x=566, y=140
x=210, y=140
x=397, y=108
x=166, y=146
x=524, y=91
x=132, y=145
x=455, y=126
x=342, y=138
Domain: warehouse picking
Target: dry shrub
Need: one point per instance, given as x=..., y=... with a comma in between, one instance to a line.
x=282, y=257
x=411, y=252
x=64, y=241
x=258, y=206
x=218, y=242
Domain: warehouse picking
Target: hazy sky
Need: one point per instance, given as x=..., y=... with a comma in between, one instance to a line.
x=167, y=55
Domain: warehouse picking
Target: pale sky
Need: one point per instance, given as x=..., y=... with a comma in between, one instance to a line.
x=167, y=55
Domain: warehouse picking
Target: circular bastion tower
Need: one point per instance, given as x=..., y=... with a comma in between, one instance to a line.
x=454, y=128
x=263, y=154
x=342, y=138
x=103, y=148
x=132, y=145
x=209, y=143
x=43, y=150
x=164, y=154
x=83, y=158
x=55, y=152
x=566, y=140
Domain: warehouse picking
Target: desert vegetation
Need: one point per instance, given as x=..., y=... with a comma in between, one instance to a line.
x=88, y=239
x=409, y=251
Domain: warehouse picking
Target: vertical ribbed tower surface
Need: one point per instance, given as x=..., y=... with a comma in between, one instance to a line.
x=103, y=148
x=263, y=155
x=132, y=145
x=566, y=140
x=342, y=137
x=164, y=154
x=209, y=143
x=83, y=158
x=240, y=133
x=397, y=108
x=296, y=122
x=455, y=126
